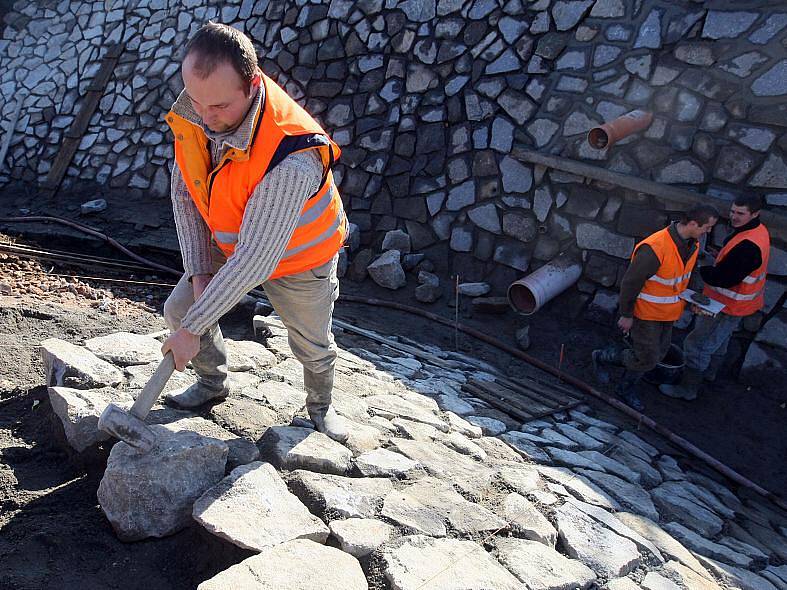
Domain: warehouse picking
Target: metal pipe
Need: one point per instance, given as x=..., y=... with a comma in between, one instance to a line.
x=610, y=133
x=530, y=293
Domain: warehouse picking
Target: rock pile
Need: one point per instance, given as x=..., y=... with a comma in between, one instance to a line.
x=428, y=492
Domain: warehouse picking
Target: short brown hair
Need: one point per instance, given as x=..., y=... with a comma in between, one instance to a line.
x=701, y=214
x=752, y=202
x=215, y=43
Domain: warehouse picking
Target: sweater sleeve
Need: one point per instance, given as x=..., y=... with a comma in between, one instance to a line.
x=269, y=220
x=193, y=233
x=739, y=263
x=644, y=265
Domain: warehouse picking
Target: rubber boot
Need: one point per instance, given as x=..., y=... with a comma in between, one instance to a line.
x=710, y=374
x=628, y=390
x=687, y=387
x=602, y=358
x=318, y=388
x=210, y=364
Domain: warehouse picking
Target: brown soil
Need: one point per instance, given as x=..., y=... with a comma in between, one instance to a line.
x=53, y=534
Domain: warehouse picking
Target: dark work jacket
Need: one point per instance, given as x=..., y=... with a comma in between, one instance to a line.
x=739, y=262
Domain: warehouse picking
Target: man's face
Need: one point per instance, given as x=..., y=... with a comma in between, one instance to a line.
x=221, y=100
x=740, y=215
x=696, y=230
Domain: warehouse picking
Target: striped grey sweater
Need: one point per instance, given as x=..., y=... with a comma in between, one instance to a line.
x=269, y=220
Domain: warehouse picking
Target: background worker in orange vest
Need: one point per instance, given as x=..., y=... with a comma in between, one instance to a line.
x=738, y=280
x=254, y=203
x=649, y=301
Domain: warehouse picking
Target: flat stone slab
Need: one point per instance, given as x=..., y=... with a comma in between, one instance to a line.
x=281, y=397
x=608, y=554
x=247, y=355
x=391, y=406
x=244, y=417
x=736, y=578
x=151, y=494
x=524, y=518
x=666, y=543
x=361, y=536
x=291, y=448
x=674, y=502
x=80, y=409
x=540, y=567
x=706, y=547
x=241, y=451
x=579, y=487
x=525, y=447
x=295, y=565
x=125, y=349
x=73, y=366
x=418, y=562
x=443, y=463
x=385, y=463
x=252, y=508
x=409, y=512
x=522, y=477
x=346, y=497
x=629, y=495
x=689, y=577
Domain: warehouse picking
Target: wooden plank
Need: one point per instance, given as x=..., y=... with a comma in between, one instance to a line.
x=73, y=136
x=530, y=404
x=528, y=394
x=549, y=390
x=775, y=221
x=497, y=403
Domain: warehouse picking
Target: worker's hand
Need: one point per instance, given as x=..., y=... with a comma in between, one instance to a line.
x=697, y=310
x=199, y=283
x=184, y=346
x=625, y=324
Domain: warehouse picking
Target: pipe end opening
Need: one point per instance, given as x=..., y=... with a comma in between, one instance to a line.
x=598, y=138
x=521, y=298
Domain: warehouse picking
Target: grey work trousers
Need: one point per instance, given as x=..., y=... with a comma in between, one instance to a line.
x=304, y=302
x=650, y=342
x=709, y=339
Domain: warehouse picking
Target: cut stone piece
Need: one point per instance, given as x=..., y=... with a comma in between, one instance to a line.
x=540, y=567
x=361, y=536
x=705, y=547
x=673, y=501
x=629, y=495
x=247, y=355
x=390, y=406
x=290, y=447
x=296, y=565
x=522, y=478
x=736, y=578
x=253, y=509
x=80, y=409
x=524, y=518
x=580, y=487
x=606, y=553
x=74, y=366
x=241, y=450
x=244, y=417
x=655, y=581
x=689, y=577
x=125, y=348
x=409, y=512
x=418, y=562
x=344, y=496
x=385, y=463
x=151, y=494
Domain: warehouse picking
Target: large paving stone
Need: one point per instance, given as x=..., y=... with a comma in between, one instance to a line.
x=409, y=512
x=247, y=355
x=580, y=487
x=689, y=577
x=540, y=567
x=125, y=348
x=673, y=502
x=241, y=450
x=526, y=520
x=525, y=447
x=441, y=462
x=392, y=406
x=151, y=494
x=292, y=448
x=736, y=578
x=666, y=543
x=295, y=565
x=612, y=466
x=630, y=496
x=706, y=547
x=418, y=562
x=73, y=366
x=520, y=477
x=80, y=409
x=605, y=552
x=244, y=417
x=334, y=495
x=385, y=463
x=252, y=508
x=281, y=397
x=361, y=536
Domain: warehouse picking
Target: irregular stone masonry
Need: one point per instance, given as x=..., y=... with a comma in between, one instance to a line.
x=420, y=496
x=427, y=99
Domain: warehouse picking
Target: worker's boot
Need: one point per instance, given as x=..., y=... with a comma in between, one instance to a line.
x=710, y=374
x=318, y=388
x=611, y=354
x=628, y=390
x=687, y=387
x=210, y=364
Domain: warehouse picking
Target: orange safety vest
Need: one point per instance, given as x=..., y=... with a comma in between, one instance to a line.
x=281, y=127
x=747, y=296
x=660, y=299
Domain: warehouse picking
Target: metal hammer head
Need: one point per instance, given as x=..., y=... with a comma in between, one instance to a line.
x=128, y=428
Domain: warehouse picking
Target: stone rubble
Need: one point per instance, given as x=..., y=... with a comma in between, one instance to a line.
x=562, y=502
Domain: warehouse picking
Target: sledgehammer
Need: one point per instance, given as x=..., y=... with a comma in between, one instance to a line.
x=130, y=426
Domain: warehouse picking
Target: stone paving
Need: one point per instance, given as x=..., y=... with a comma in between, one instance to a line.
x=420, y=497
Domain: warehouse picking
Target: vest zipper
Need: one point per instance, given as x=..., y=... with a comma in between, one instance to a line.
x=213, y=177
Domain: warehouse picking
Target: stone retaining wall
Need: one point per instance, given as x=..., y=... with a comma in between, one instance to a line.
x=428, y=98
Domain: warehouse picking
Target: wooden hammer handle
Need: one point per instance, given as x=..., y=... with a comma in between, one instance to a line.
x=152, y=390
